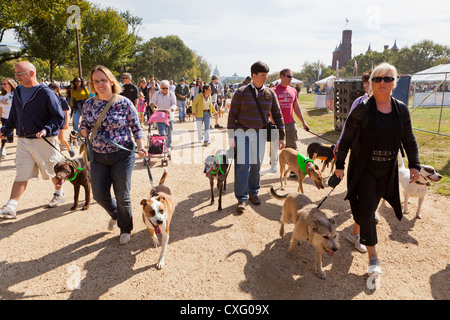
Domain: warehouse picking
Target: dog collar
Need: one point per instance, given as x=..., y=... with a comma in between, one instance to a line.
x=220, y=168
x=76, y=173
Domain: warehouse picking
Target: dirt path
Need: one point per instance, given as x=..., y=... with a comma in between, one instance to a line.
x=63, y=254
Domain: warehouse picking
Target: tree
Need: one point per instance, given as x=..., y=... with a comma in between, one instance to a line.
x=310, y=71
x=105, y=39
x=49, y=40
x=420, y=56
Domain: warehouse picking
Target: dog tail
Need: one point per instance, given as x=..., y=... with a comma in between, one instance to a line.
x=163, y=178
x=277, y=196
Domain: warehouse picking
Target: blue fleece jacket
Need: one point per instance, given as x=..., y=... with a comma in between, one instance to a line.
x=41, y=111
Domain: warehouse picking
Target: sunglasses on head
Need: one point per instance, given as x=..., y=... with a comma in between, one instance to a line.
x=385, y=79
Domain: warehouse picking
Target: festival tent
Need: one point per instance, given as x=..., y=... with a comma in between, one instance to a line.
x=324, y=80
x=294, y=81
x=427, y=86
x=437, y=73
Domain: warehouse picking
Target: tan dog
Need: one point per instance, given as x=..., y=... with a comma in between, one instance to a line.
x=288, y=156
x=157, y=214
x=311, y=225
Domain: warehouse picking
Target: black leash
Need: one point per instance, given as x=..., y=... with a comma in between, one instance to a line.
x=333, y=142
x=332, y=182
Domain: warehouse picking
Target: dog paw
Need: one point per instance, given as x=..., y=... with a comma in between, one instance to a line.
x=321, y=274
x=85, y=208
x=155, y=242
x=418, y=215
x=74, y=208
x=160, y=264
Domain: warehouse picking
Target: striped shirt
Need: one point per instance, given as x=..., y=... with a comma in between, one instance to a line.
x=244, y=112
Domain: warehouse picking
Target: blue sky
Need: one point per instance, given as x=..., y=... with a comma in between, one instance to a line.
x=285, y=33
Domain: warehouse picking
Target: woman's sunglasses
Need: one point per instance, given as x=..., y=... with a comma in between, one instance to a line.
x=385, y=79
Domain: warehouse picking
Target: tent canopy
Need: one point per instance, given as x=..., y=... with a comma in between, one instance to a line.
x=324, y=80
x=294, y=81
x=437, y=73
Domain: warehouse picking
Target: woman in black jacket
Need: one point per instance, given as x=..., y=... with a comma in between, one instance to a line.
x=375, y=131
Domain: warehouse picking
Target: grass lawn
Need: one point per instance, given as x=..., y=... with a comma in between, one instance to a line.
x=434, y=149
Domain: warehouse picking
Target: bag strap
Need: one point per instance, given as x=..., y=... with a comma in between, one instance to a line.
x=114, y=98
x=257, y=103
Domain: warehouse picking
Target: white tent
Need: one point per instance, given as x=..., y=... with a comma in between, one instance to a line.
x=437, y=73
x=294, y=81
x=324, y=80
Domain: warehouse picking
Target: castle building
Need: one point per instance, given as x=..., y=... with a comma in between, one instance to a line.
x=343, y=52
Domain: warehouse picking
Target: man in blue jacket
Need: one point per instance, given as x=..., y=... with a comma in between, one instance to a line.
x=35, y=113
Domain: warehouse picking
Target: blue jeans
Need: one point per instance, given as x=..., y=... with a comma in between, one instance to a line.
x=114, y=169
x=76, y=118
x=206, y=119
x=162, y=127
x=248, y=160
x=181, y=110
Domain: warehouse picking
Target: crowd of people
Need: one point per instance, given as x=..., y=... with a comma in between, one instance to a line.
x=114, y=114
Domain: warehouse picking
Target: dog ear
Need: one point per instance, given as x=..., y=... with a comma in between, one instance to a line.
x=315, y=225
x=316, y=167
x=333, y=222
x=144, y=202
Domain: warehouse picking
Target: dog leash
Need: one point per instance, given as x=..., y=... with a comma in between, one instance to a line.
x=333, y=142
x=332, y=182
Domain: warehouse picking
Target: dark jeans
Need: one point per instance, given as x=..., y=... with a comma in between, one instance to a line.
x=114, y=169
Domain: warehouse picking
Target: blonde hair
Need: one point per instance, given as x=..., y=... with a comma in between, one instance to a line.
x=381, y=69
x=116, y=87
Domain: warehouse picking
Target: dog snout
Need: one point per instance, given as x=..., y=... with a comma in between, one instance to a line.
x=159, y=222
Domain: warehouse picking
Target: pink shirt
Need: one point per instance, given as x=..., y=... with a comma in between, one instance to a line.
x=286, y=98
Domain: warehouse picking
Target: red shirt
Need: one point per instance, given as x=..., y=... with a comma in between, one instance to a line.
x=286, y=98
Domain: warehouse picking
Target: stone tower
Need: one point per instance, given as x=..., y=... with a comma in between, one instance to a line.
x=343, y=53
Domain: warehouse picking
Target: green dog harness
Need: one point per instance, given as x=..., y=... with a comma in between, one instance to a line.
x=76, y=173
x=302, y=161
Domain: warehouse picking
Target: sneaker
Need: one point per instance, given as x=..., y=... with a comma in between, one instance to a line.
x=56, y=201
x=255, y=200
x=7, y=213
x=218, y=126
x=112, y=224
x=354, y=238
x=71, y=153
x=4, y=153
x=241, y=207
x=374, y=266
x=124, y=238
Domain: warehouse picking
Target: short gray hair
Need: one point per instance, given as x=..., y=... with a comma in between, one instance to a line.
x=165, y=83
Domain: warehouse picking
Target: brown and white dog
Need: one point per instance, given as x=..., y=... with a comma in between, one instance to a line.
x=157, y=214
x=418, y=189
x=288, y=156
x=78, y=173
x=311, y=225
x=322, y=152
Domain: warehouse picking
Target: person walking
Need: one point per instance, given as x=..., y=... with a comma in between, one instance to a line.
x=35, y=113
x=65, y=107
x=182, y=94
x=202, y=110
x=6, y=97
x=165, y=101
x=130, y=91
x=78, y=95
x=374, y=131
x=111, y=165
x=216, y=88
x=246, y=135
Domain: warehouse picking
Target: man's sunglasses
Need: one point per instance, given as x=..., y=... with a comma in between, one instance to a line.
x=385, y=79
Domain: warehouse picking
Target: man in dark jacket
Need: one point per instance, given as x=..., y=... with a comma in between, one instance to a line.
x=35, y=113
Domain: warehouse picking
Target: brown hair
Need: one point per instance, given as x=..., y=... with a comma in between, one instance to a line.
x=12, y=83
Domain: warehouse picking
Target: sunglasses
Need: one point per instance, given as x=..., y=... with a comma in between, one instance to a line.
x=164, y=88
x=385, y=79
x=287, y=76
x=21, y=73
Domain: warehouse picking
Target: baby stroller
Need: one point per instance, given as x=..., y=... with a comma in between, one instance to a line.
x=158, y=144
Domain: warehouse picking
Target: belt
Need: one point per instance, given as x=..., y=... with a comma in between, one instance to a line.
x=375, y=158
x=382, y=153
x=205, y=110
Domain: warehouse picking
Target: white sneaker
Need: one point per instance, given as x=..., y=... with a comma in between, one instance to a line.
x=374, y=266
x=7, y=213
x=56, y=201
x=354, y=238
x=112, y=224
x=4, y=153
x=124, y=238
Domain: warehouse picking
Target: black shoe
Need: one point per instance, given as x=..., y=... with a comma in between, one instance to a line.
x=217, y=126
x=241, y=207
x=255, y=200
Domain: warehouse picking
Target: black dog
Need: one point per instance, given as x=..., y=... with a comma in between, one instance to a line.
x=322, y=152
x=216, y=168
x=78, y=173
x=73, y=138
